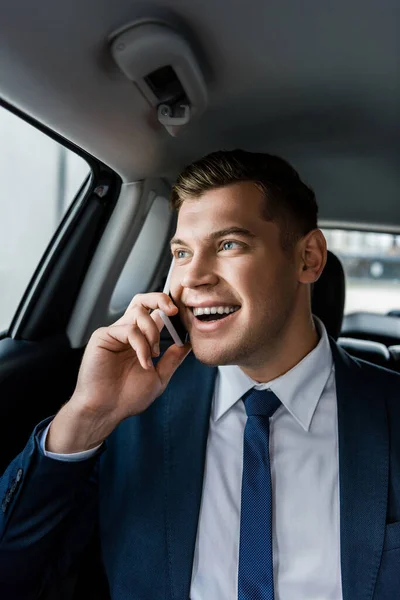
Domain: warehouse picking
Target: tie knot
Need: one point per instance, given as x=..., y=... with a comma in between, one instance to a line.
x=260, y=403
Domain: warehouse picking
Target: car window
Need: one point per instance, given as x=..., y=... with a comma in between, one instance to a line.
x=371, y=262
x=39, y=180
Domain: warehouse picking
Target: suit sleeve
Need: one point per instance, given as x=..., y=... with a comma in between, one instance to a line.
x=48, y=513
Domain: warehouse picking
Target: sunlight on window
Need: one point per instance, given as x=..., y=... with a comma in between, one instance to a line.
x=39, y=180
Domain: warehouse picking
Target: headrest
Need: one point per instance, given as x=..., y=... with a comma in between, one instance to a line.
x=328, y=296
x=367, y=350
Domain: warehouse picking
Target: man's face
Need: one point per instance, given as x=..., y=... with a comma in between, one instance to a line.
x=227, y=255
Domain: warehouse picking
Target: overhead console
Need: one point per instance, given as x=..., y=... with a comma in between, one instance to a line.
x=161, y=63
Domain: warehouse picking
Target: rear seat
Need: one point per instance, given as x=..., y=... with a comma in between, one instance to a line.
x=328, y=296
x=328, y=299
x=367, y=350
x=395, y=356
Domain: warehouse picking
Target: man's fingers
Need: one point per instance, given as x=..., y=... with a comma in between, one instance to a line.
x=149, y=325
x=129, y=335
x=149, y=329
x=141, y=330
x=155, y=315
x=152, y=301
x=170, y=361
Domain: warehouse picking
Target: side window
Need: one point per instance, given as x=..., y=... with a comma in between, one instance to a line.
x=39, y=180
x=371, y=262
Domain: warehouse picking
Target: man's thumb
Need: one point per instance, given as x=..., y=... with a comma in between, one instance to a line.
x=170, y=361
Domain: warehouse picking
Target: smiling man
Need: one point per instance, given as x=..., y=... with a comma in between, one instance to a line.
x=262, y=465
x=237, y=247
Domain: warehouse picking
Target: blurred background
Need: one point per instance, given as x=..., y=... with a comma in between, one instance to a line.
x=371, y=263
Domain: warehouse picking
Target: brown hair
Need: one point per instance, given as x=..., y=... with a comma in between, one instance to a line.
x=289, y=201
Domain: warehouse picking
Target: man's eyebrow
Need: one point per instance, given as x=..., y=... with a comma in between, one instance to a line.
x=219, y=234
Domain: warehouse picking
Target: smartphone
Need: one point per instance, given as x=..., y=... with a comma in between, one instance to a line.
x=174, y=325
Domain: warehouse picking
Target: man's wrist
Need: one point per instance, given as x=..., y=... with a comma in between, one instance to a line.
x=74, y=430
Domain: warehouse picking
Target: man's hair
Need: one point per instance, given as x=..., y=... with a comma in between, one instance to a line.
x=288, y=201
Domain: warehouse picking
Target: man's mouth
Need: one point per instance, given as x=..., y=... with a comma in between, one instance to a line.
x=213, y=313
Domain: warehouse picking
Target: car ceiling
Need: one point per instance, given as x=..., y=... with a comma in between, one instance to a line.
x=316, y=82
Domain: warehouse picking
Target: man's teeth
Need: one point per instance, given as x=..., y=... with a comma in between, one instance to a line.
x=213, y=310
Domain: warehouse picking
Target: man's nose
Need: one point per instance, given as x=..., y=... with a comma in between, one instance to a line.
x=198, y=272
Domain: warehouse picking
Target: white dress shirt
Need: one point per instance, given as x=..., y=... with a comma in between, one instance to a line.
x=305, y=483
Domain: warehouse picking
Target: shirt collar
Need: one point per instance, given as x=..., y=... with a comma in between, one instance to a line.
x=299, y=389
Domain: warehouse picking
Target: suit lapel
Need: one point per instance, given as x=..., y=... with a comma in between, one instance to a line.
x=363, y=474
x=187, y=406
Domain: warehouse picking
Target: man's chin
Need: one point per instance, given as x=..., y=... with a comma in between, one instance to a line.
x=215, y=357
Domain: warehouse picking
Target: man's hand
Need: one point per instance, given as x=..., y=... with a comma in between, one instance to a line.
x=117, y=378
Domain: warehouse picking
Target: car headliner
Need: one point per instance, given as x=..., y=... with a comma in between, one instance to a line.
x=316, y=82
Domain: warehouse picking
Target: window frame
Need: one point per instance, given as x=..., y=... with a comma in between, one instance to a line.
x=60, y=270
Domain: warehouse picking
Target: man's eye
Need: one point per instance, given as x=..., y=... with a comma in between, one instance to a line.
x=181, y=253
x=230, y=245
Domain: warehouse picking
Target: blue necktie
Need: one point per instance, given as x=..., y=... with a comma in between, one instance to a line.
x=255, y=577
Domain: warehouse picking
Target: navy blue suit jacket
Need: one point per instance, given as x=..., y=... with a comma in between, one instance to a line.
x=144, y=491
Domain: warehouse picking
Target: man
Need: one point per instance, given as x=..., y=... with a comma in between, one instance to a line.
x=268, y=467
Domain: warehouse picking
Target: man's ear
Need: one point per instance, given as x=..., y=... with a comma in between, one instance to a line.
x=313, y=254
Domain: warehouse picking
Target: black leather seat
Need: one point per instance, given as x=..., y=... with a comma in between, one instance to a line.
x=374, y=352
x=328, y=304
x=395, y=356
x=328, y=296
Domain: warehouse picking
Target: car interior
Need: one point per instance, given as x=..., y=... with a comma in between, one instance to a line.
x=141, y=89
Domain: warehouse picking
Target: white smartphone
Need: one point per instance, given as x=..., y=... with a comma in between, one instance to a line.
x=174, y=325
